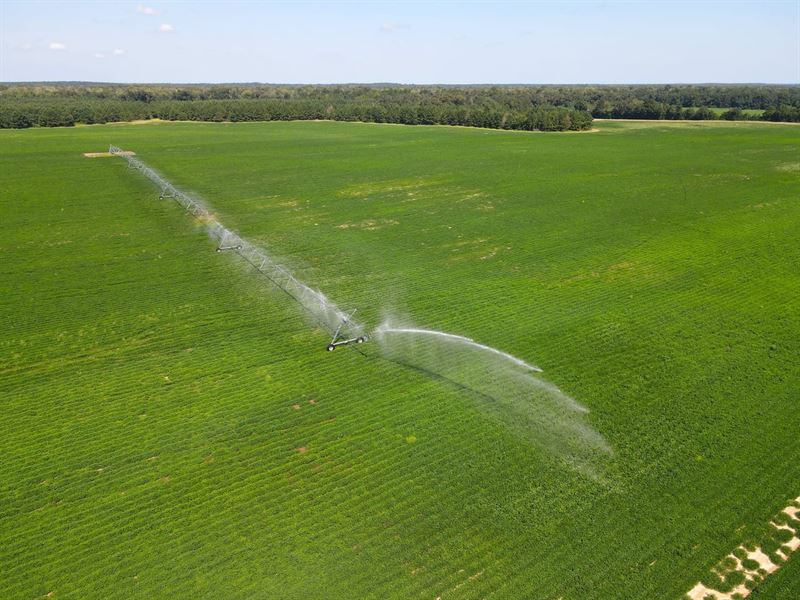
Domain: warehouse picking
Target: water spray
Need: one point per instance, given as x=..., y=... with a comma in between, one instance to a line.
x=345, y=330
x=386, y=328
x=502, y=384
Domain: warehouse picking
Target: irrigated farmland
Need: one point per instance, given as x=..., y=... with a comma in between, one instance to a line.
x=172, y=425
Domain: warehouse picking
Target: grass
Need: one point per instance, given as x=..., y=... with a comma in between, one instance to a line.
x=750, y=112
x=151, y=441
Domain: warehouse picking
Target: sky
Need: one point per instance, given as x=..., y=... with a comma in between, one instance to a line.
x=401, y=42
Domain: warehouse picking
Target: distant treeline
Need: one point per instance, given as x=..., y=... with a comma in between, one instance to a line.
x=55, y=112
x=546, y=108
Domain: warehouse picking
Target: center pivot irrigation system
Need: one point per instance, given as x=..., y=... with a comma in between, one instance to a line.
x=337, y=341
x=553, y=417
x=345, y=330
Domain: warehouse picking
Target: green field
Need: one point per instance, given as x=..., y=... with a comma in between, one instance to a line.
x=172, y=426
x=750, y=112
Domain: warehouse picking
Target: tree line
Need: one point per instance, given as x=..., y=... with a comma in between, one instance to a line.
x=536, y=107
x=753, y=96
x=60, y=112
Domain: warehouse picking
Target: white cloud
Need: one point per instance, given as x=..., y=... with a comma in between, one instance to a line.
x=27, y=46
x=166, y=28
x=56, y=46
x=99, y=55
x=118, y=52
x=147, y=10
x=390, y=26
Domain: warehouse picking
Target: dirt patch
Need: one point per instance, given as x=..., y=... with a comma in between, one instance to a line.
x=395, y=187
x=763, y=560
x=295, y=407
x=302, y=450
x=765, y=564
x=469, y=579
x=108, y=154
x=609, y=273
x=473, y=196
x=369, y=224
x=53, y=244
x=623, y=265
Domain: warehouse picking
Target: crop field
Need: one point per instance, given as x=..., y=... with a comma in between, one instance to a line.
x=750, y=112
x=173, y=427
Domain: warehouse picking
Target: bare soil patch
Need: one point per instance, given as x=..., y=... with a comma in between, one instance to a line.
x=108, y=154
x=755, y=575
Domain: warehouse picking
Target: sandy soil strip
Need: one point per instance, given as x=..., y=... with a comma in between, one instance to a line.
x=106, y=154
x=765, y=564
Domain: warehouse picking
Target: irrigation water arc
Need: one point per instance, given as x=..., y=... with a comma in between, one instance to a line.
x=502, y=382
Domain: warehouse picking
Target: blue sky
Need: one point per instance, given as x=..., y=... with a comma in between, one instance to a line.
x=410, y=42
